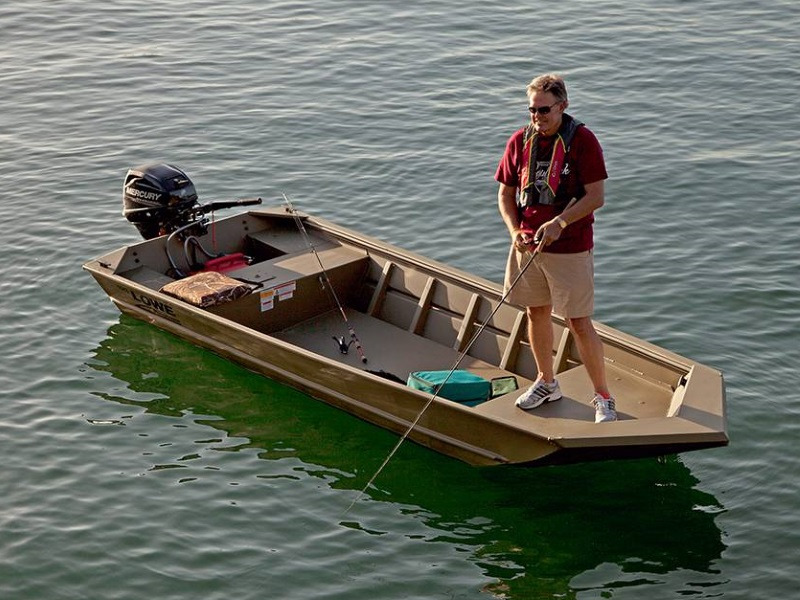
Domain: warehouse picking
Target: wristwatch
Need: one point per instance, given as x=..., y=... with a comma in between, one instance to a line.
x=561, y=222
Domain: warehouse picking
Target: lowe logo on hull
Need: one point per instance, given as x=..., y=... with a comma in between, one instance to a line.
x=154, y=306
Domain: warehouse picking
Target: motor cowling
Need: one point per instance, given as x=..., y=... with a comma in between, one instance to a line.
x=158, y=199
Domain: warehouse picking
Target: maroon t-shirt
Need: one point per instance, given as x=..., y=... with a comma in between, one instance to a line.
x=584, y=164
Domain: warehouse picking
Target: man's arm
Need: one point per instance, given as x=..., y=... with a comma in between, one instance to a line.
x=507, y=205
x=593, y=199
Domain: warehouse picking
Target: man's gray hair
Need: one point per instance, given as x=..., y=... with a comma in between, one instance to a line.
x=549, y=83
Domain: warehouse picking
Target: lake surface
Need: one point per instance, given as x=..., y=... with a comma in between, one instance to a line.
x=138, y=466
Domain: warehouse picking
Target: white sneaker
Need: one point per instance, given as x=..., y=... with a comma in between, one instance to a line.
x=539, y=393
x=604, y=409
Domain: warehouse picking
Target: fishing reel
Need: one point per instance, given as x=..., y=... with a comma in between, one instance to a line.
x=343, y=344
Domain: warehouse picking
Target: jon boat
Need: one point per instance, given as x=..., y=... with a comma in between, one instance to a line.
x=410, y=314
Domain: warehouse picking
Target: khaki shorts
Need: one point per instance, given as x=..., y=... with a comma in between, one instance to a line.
x=563, y=281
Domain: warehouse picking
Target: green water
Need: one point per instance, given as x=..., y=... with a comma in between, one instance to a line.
x=136, y=465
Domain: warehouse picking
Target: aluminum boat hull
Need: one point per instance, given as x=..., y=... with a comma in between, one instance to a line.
x=412, y=313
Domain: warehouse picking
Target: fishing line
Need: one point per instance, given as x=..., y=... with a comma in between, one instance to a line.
x=327, y=281
x=461, y=357
x=536, y=251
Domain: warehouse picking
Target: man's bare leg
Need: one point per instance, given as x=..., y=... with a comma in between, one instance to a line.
x=590, y=347
x=540, y=335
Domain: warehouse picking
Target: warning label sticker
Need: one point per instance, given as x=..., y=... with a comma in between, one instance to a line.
x=284, y=291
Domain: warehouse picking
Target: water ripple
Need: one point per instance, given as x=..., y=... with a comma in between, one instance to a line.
x=138, y=465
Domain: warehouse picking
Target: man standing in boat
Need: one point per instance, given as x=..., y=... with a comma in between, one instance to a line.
x=551, y=181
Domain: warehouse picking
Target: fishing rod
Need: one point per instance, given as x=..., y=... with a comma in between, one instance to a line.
x=460, y=358
x=540, y=243
x=343, y=344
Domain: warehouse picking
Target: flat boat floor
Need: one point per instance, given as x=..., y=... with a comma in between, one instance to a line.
x=399, y=352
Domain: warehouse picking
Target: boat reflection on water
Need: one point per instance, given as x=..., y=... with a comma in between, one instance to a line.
x=538, y=532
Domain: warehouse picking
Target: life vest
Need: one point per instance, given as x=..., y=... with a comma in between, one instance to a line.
x=530, y=194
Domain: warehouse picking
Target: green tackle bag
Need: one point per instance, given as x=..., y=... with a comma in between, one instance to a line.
x=462, y=386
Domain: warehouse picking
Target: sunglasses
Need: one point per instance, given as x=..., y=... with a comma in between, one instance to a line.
x=542, y=110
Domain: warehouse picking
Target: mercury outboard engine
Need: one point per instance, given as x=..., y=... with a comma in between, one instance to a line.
x=158, y=199
x=161, y=200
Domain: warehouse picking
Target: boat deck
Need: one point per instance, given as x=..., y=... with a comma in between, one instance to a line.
x=397, y=351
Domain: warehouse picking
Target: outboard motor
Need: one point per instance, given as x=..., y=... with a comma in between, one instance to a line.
x=161, y=200
x=158, y=199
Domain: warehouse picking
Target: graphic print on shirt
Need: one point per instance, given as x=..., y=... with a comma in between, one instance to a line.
x=542, y=167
